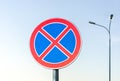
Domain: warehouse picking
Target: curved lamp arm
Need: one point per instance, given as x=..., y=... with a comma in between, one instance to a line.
x=100, y=26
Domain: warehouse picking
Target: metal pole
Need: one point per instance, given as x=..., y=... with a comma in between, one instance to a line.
x=55, y=74
x=109, y=57
x=111, y=16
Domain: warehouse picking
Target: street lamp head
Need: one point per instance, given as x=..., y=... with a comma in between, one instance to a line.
x=92, y=22
x=111, y=16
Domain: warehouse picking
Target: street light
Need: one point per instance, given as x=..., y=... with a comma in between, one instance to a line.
x=109, y=32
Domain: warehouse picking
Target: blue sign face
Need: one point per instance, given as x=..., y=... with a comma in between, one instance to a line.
x=55, y=55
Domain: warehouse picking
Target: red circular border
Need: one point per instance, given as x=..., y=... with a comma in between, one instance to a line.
x=69, y=60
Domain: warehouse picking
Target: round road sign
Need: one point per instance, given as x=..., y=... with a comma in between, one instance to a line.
x=55, y=43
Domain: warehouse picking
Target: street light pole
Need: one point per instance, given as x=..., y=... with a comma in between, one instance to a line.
x=111, y=16
x=109, y=32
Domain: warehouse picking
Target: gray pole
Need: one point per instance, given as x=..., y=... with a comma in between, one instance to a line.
x=111, y=16
x=55, y=74
x=109, y=57
x=109, y=32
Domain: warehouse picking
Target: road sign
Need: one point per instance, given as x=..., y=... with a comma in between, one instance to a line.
x=55, y=43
